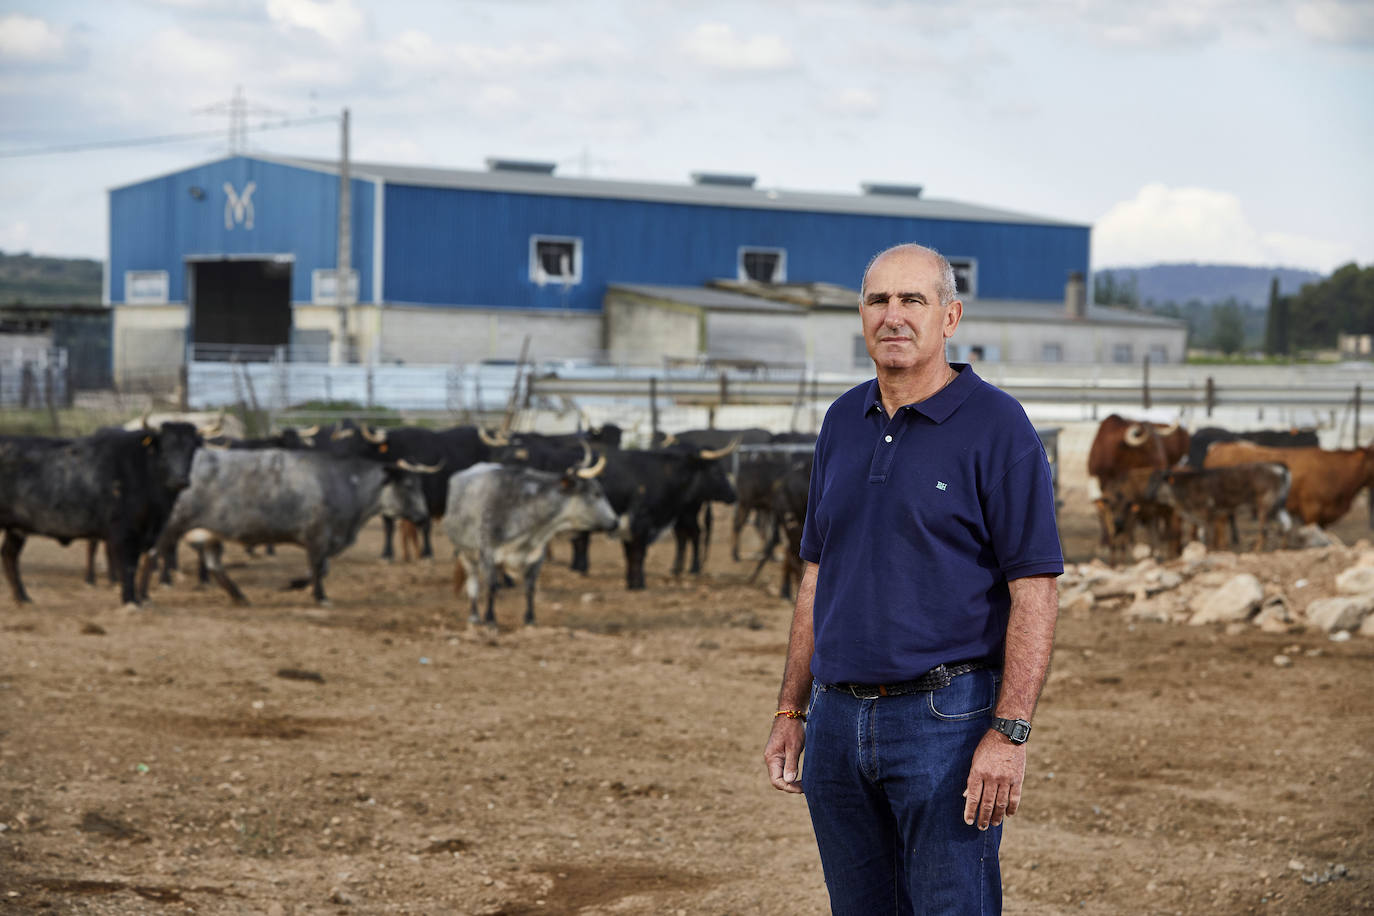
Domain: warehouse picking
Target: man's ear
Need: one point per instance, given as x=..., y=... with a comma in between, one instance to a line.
x=953, y=313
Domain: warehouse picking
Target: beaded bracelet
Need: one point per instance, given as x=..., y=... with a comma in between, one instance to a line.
x=791, y=714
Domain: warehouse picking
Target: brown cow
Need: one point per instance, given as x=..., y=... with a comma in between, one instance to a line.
x=1210, y=497
x=1120, y=447
x=1325, y=481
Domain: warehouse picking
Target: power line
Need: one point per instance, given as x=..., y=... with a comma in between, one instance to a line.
x=164, y=138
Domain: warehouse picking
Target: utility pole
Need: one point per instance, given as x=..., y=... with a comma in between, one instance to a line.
x=344, y=264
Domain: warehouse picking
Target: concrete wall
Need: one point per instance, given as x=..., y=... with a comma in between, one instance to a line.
x=1024, y=342
x=831, y=335
x=413, y=334
x=149, y=342
x=749, y=336
x=643, y=332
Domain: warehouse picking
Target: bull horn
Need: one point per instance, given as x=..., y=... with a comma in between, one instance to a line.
x=588, y=456
x=214, y=428
x=593, y=471
x=668, y=439
x=372, y=435
x=710, y=455
x=224, y=446
x=143, y=421
x=405, y=465
x=493, y=441
x=1135, y=436
x=342, y=433
x=1170, y=429
x=309, y=432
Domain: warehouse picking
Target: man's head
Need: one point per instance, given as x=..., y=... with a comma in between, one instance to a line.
x=908, y=308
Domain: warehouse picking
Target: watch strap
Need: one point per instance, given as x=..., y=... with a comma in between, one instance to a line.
x=1018, y=730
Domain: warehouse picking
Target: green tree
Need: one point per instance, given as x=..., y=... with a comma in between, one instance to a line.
x=1276, y=322
x=1228, y=327
x=1343, y=302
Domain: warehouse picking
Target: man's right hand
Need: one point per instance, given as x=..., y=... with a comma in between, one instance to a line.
x=782, y=754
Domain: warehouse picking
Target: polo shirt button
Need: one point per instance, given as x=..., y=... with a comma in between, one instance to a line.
x=887, y=438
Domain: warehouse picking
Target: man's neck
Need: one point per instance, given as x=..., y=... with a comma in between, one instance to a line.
x=899, y=387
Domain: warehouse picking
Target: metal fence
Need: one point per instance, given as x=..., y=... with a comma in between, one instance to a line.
x=35, y=378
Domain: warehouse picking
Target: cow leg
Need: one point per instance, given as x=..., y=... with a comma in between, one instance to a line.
x=92, y=546
x=736, y=524
x=635, y=550
x=768, y=552
x=128, y=554
x=682, y=535
x=202, y=573
x=704, y=539
x=427, y=550
x=581, y=541
x=9, y=552
x=531, y=579
x=388, y=529
x=214, y=559
x=491, y=574
x=319, y=568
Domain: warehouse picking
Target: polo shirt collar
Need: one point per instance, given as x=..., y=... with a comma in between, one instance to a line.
x=940, y=405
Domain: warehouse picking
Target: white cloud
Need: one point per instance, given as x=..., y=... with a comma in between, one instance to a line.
x=31, y=40
x=336, y=21
x=716, y=45
x=1338, y=21
x=852, y=102
x=1162, y=224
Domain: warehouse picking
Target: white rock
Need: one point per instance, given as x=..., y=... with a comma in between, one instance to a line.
x=1237, y=599
x=1283, y=661
x=1345, y=613
x=1195, y=552
x=1356, y=580
x=1311, y=536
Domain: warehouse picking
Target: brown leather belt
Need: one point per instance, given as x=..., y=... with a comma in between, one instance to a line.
x=934, y=679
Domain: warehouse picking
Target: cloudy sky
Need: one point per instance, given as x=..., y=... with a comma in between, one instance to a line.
x=1235, y=131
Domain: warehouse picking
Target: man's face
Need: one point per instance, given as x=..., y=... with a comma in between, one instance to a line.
x=905, y=326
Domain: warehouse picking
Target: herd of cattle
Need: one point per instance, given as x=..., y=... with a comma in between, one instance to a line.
x=1157, y=478
x=501, y=498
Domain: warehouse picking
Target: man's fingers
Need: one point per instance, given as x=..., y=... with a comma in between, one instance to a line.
x=1014, y=798
x=972, y=794
x=1000, y=806
x=790, y=764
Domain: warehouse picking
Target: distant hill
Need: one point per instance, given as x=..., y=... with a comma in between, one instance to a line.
x=1207, y=283
x=27, y=279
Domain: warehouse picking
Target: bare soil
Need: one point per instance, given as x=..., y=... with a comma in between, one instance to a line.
x=381, y=756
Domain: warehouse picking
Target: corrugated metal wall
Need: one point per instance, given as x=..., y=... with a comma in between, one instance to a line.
x=157, y=224
x=459, y=247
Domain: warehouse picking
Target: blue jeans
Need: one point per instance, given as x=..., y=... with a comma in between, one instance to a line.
x=884, y=781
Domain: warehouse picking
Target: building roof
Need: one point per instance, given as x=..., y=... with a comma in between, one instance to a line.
x=795, y=298
x=715, y=194
x=706, y=298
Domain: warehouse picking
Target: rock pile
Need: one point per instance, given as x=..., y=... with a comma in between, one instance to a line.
x=1270, y=590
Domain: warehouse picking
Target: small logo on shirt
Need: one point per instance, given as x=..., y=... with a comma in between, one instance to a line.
x=941, y=485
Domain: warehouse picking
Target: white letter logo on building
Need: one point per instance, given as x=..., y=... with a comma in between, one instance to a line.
x=239, y=208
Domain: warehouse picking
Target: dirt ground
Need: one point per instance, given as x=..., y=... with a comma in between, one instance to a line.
x=381, y=756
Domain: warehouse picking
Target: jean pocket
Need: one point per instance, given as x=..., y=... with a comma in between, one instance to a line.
x=968, y=696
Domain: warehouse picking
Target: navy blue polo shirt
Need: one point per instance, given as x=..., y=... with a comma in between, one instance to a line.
x=918, y=521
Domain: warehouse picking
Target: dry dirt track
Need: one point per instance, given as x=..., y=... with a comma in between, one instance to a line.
x=609, y=759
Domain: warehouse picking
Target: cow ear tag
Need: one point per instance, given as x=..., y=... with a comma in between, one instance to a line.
x=147, y=440
x=382, y=447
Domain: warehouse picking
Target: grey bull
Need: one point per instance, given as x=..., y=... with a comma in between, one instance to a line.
x=501, y=517
x=281, y=496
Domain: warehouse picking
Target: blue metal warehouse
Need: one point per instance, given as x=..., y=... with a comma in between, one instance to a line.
x=243, y=251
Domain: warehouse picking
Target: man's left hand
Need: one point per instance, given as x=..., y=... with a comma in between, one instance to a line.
x=994, y=781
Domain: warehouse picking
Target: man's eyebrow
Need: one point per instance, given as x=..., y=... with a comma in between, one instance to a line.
x=877, y=296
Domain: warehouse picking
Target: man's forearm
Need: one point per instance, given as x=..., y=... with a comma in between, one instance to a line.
x=796, y=673
x=1030, y=642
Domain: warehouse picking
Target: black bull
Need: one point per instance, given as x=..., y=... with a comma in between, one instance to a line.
x=115, y=485
x=650, y=491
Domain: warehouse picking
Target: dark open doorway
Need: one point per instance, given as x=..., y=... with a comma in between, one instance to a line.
x=241, y=303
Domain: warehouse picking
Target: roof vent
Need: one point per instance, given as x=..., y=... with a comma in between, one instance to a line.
x=723, y=179
x=891, y=190
x=495, y=164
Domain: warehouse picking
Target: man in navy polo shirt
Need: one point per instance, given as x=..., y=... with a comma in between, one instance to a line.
x=925, y=618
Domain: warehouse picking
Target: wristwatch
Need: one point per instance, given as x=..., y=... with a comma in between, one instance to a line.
x=1017, y=730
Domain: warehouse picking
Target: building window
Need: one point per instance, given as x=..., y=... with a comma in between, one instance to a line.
x=1159, y=353
x=1121, y=353
x=764, y=265
x=145, y=287
x=965, y=277
x=1051, y=353
x=861, y=357
x=555, y=259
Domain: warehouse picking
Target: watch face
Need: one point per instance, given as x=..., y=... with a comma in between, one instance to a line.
x=1020, y=731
